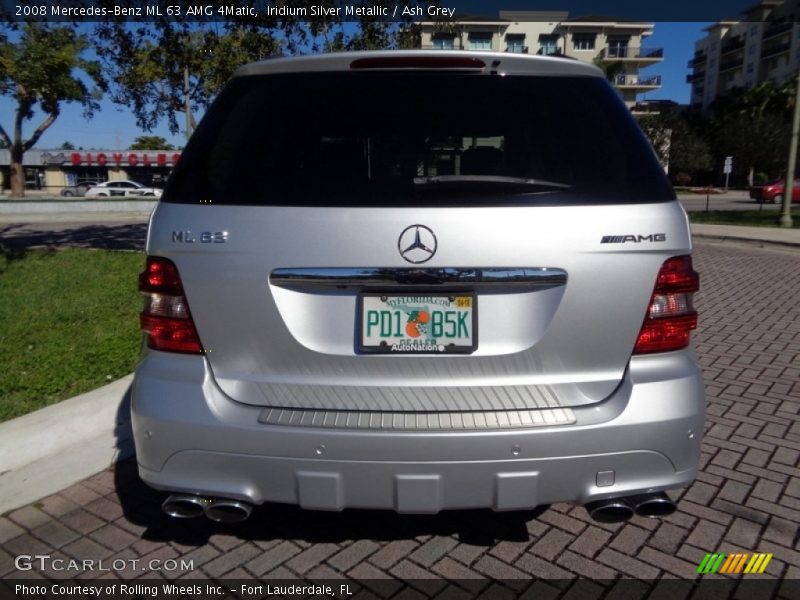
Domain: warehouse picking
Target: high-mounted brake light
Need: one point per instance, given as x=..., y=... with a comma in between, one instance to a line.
x=419, y=62
x=670, y=316
x=166, y=319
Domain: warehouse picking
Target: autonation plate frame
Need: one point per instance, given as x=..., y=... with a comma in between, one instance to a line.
x=405, y=316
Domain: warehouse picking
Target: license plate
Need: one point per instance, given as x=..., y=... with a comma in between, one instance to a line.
x=417, y=324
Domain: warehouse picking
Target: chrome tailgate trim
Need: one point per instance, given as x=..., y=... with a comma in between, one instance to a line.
x=502, y=279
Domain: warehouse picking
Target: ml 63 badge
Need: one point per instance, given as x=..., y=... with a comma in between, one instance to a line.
x=417, y=324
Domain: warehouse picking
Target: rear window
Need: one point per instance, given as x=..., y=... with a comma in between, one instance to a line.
x=417, y=138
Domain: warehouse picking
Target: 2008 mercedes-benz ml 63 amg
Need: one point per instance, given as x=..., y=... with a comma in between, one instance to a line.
x=418, y=281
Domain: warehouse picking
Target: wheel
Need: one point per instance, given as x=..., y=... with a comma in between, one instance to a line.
x=67, y=193
x=777, y=198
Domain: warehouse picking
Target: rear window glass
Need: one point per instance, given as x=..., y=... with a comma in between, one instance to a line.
x=417, y=138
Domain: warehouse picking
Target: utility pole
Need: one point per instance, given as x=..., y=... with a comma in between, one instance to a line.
x=788, y=182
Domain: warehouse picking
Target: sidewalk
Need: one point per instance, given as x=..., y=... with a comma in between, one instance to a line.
x=766, y=235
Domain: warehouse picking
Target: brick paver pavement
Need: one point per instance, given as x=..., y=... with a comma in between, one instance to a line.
x=746, y=498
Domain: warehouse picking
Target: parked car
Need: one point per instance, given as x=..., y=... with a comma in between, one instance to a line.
x=773, y=192
x=122, y=188
x=79, y=189
x=418, y=303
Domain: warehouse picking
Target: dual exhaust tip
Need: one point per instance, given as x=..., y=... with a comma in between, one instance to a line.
x=221, y=510
x=617, y=510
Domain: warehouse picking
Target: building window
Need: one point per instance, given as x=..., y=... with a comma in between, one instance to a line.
x=583, y=41
x=515, y=43
x=480, y=41
x=548, y=44
x=618, y=48
x=750, y=68
x=753, y=30
x=443, y=41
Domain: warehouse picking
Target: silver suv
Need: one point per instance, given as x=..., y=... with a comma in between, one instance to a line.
x=418, y=281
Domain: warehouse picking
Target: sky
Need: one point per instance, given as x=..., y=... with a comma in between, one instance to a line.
x=114, y=127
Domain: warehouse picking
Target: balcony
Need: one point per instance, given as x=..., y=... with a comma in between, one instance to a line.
x=517, y=49
x=775, y=49
x=637, y=81
x=695, y=77
x=631, y=53
x=775, y=29
x=699, y=59
x=731, y=63
x=732, y=45
x=549, y=51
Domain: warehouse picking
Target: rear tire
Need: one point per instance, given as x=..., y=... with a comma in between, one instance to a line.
x=67, y=193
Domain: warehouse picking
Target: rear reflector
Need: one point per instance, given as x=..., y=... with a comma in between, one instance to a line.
x=419, y=62
x=166, y=319
x=670, y=316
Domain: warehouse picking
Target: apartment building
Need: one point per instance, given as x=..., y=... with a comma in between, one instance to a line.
x=763, y=45
x=615, y=45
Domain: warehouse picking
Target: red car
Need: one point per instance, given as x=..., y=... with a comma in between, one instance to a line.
x=773, y=192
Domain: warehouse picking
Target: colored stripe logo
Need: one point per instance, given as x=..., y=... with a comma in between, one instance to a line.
x=734, y=564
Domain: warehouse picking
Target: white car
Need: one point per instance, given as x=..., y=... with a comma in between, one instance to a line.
x=122, y=188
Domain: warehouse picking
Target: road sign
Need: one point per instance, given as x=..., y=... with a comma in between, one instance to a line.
x=728, y=168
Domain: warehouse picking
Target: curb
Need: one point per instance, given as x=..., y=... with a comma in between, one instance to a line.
x=754, y=235
x=50, y=207
x=735, y=238
x=48, y=450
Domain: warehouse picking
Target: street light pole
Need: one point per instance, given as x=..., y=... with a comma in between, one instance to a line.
x=788, y=182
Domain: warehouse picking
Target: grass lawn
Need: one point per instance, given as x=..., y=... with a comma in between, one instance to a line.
x=68, y=324
x=750, y=218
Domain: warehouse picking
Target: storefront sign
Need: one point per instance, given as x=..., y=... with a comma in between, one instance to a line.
x=133, y=159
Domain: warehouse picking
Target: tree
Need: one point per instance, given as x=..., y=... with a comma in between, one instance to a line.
x=676, y=143
x=170, y=67
x=67, y=146
x=40, y=71
x=753, y=126
x=151, y=142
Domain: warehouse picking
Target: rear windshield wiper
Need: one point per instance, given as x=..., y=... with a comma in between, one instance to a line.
x=449, y=182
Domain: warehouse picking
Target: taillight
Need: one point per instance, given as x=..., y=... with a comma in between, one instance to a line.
x=166, y=319
x=671, y=316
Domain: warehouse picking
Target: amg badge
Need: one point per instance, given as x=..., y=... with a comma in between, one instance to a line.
x=621, y=239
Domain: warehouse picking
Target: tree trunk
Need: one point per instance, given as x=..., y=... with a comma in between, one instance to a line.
x=750, y=172
x=17, y=171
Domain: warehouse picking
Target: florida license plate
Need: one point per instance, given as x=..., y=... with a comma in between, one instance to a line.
x=417, y=324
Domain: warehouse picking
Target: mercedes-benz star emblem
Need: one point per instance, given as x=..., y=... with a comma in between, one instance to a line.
x=417, y=244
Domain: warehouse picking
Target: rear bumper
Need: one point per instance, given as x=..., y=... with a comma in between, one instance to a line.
x=192, y=438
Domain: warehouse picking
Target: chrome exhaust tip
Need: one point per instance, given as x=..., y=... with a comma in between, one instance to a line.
x=653, y=505
x=613, y=510
x=222, y=510
x=185, y=506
